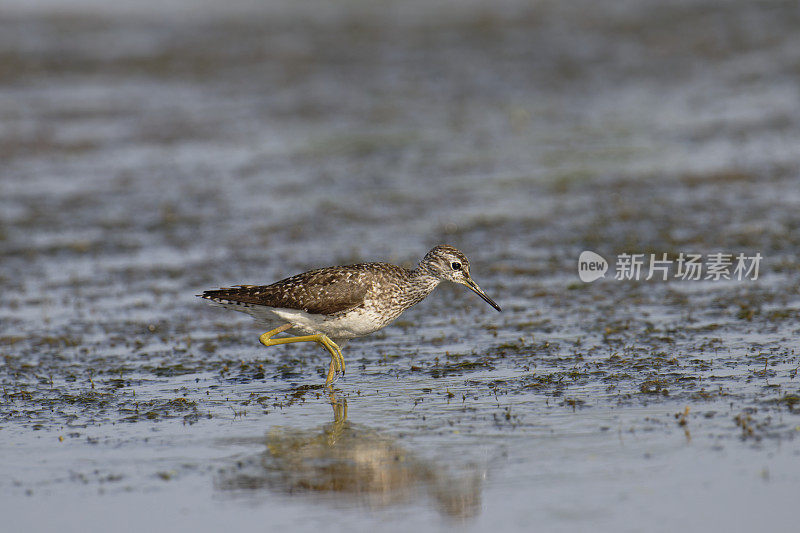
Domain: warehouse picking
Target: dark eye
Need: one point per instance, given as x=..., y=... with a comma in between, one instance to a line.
x=455, y=265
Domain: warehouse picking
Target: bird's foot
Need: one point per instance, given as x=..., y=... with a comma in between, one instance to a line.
x=336, y=369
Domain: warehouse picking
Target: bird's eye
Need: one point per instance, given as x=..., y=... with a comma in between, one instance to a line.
x=455, y=265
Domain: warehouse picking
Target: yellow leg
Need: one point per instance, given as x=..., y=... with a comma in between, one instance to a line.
x=337, y=359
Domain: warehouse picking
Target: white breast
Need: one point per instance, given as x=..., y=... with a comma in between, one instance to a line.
x=356, y=323
x=349, y=326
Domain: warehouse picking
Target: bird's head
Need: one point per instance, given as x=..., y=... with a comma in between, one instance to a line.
x=449, y=264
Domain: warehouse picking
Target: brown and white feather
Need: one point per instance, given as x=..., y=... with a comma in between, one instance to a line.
x=345, y=302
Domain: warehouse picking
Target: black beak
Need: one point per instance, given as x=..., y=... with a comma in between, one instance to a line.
x=477, y=290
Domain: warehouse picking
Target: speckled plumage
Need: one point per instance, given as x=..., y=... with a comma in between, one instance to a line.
x=345, y=302
x=378, y=292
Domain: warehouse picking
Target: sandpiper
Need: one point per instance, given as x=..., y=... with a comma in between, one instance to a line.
x=333, y=305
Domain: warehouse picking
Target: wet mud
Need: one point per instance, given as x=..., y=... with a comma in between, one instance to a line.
x=147, y=158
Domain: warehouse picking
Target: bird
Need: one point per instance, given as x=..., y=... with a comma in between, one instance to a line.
x=333, y=305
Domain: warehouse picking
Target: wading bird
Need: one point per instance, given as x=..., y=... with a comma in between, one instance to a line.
x=333, y=305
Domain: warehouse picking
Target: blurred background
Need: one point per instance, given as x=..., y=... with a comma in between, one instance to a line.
x=243, y=140
x=153, y=149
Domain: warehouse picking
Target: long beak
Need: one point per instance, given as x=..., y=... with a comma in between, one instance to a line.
x=477, y=290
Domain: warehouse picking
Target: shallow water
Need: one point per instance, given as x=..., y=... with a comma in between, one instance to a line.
x=151, y=151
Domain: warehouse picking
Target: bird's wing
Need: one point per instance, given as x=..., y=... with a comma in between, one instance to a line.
x=326, y=291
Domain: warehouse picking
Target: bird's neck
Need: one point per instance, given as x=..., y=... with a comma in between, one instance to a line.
x=420, y=284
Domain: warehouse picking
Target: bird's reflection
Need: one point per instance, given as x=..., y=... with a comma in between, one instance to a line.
x=348, y=459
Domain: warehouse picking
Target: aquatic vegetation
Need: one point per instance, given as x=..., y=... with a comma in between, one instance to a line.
x=146, y=158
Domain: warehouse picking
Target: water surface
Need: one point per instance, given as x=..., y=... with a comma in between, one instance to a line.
x=151, y=151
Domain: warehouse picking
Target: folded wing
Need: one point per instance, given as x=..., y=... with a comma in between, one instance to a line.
x=327, y=291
